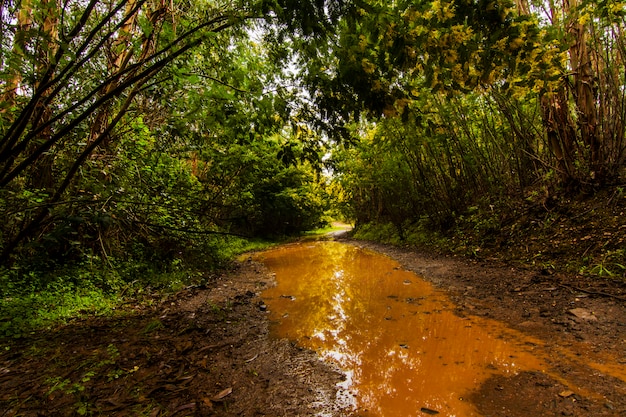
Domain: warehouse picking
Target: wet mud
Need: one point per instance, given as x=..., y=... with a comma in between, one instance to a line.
x=577, y=323
x=204, y=351
x=212, y=351
x=405, y=350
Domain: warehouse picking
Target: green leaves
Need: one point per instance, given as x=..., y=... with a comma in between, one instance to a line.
x=385, y=51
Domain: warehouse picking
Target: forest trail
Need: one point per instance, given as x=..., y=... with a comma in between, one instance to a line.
x=208, y=351
x=579, y=323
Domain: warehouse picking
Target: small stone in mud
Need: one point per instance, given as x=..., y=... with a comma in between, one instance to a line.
x=583, y=314
x=429, y=411
x=262, y=307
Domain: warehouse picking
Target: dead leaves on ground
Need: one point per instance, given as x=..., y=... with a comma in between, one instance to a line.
x=115, y=368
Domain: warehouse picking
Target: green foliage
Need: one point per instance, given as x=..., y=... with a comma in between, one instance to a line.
x=26, y=311
x=612, y=263
x=414, y=234
x=386, y=54
x=152, y=326
x=36, y=300
x=458, y=112
x=144, y=145
x=151, y=126
x=433, y=165
x=385, y=233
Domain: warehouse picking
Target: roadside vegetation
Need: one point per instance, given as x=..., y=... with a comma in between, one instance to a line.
x=144, y=145
x=589, y=242
x=495, y=132
x=47, y=298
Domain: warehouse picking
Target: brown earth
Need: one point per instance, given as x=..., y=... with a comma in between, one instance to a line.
x=580, y=322
x=204, y=351
x=207, y=350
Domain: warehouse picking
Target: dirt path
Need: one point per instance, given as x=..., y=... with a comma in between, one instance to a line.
x=206, y=351
x=202, y=352
x=580, y=323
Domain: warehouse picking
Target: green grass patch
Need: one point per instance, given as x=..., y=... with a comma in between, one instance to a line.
x=379, y=232
x=230, y=247
x=26, y=313
x=35, y=300
x=410, y=234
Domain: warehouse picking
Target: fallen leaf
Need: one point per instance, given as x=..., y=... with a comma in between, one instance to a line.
x=184, y=346
x=185, y=407
x=222, y=394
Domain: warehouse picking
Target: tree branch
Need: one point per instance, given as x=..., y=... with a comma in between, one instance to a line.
x=217, y=80
x=190, y=231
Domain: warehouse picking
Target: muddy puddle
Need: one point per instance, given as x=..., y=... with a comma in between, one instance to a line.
x=403, y=350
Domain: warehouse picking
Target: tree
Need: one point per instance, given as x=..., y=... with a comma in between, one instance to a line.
x=128, y=42
x=568, y=58
x=478, y=102
x=79, y=81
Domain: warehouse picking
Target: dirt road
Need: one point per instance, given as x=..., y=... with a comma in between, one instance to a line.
x=581, y=323
x=207, y=351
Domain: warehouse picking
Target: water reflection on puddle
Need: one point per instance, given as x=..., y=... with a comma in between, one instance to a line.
x=405, y=353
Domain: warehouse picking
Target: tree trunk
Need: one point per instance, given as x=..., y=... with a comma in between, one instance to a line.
x=584, y=84
x=560, y=133
x=41, y=176
x=121, y=54
x=560, y=129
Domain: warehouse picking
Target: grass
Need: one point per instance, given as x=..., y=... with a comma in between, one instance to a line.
x=583, y=236
x=34, y=301
x=230, y=247
x=27, y=313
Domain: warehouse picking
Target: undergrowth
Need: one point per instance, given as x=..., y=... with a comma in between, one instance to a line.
x=585, y=235
x=36, y=298
x=331, y=227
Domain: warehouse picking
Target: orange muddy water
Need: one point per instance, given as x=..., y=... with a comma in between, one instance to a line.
x=404, y=351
